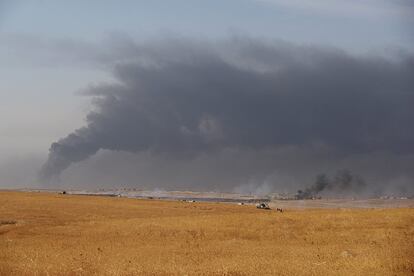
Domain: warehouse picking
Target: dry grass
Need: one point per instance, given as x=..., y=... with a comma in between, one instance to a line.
x=75, y=235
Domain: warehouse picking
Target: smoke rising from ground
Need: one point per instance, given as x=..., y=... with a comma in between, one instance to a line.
x=344, y=182
x=180, y=99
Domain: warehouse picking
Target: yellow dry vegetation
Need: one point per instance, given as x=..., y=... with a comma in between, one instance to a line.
x=50, y=234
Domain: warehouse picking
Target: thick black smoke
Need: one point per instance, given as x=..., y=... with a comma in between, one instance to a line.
x=344, y=182
x=180, y=98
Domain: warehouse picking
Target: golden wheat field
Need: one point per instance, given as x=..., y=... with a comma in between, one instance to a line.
x=51, y=234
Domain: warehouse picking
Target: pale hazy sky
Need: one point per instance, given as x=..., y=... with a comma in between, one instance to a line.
x=50, y=50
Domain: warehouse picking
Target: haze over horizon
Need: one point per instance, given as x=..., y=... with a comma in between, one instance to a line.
x=249, y=96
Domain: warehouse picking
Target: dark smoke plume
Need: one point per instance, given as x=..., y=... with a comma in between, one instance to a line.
x=181, y=98
x=344, y=182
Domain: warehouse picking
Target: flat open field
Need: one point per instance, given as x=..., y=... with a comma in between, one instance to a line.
x=50, y=234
